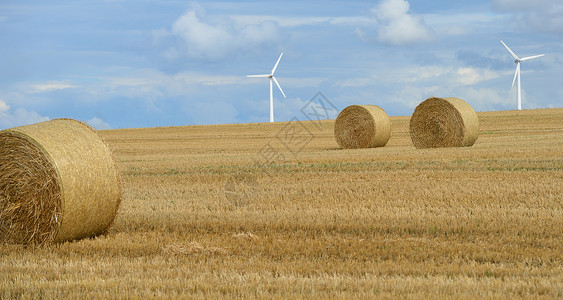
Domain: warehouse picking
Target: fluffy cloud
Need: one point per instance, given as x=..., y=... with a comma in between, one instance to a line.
x=98, y=124
x=215, y=39
x=539, y=15
x=486, y=99
x=4, y=107
x=471, y=76
x=19, y=117
x=397, y=26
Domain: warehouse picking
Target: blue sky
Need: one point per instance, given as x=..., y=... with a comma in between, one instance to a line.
x=136, y=63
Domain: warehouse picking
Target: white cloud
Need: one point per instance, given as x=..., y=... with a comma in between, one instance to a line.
x=296, y=82
x=461, y=23
x=397, y=26
x=539, y=15
x=408, y=85
x=469, y=76
x=218, y=38
x=409, y=74
x=4, y=107
x=411, y=96
x=290, y=21
x=486, y=99
x=150, y=83
x=480, y=98
x=98, y=124
x=19, y=117
x=202, y=39
x=414, y=74
x=356, y=82
x=51, y=86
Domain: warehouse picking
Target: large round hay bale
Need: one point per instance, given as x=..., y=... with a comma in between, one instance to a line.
x=58, y=182
x=362, y=126
x=444, y=122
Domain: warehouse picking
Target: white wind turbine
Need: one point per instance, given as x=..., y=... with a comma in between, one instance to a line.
x=272, y=78
x=517, y=74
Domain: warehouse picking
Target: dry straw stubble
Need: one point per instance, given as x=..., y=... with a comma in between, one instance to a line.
x=362, y=126
x=58, y=182
x=444, y=122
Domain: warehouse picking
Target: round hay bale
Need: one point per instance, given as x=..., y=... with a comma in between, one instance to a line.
x=362, y=126
x=58, y=182
x=444, y=122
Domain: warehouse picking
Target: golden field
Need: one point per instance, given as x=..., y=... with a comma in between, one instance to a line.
x=278, y=210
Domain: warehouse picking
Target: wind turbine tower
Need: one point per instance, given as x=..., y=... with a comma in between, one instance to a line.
x=272, y=78
x=517, y=74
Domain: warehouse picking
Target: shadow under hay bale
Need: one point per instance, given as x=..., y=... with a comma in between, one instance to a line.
x=444, y=122
x=362, y=126
x=58, y=182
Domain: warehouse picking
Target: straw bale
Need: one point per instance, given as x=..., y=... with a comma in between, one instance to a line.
x=362, y=126
x=444, y=122
x=58, y=182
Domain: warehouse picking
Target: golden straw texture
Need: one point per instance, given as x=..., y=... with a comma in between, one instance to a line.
x=58, y=182
x=362, y=126
x=444, y=122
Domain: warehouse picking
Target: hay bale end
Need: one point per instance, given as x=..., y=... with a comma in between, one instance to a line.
x=58, y=182
x=444, y=122
x=362, y=126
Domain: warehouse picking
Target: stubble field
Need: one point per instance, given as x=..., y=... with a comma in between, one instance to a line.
x=278, y=210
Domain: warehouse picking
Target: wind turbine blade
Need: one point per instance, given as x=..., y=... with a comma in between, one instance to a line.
x=530, y=57
x=516, y=73
x=265, y=75
x=276, y=66
x=512, y=53
x=276, y=81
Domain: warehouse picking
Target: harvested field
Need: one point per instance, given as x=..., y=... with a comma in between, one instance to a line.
x=262, y=210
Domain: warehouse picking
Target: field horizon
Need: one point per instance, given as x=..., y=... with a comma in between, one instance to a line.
x=279, y=210
x=479, y=113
